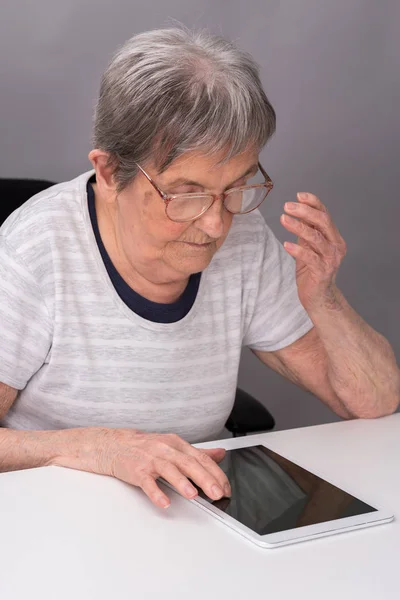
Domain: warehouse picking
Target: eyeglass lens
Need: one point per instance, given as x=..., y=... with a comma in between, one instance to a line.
x=187, y=207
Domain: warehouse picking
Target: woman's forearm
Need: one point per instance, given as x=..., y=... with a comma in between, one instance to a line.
x=362, y=368
x=133, y=456
x=29, y=449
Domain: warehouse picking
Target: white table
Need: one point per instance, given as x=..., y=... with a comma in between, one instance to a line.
x=71, y=535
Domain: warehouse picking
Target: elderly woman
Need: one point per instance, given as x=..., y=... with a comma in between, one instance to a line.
x=127, y=294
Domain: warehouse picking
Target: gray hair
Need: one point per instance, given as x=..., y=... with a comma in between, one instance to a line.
x=170, y=91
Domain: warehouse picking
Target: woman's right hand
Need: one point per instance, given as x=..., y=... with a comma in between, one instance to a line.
x=140, y=458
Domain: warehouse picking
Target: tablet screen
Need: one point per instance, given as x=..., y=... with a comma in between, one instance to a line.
x=271, y=494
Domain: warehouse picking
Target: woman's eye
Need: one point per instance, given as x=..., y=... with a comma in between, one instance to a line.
x=240, y=183
x=185, y=189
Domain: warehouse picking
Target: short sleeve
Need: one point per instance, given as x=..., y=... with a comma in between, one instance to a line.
x=26, y=330
x=277, y=316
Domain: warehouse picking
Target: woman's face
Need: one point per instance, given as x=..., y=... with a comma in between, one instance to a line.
x=173, y=251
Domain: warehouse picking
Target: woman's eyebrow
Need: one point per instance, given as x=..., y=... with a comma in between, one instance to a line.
x=251, y=170
x=183, y=181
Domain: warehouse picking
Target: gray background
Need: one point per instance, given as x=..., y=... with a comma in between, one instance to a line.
x=329, y=67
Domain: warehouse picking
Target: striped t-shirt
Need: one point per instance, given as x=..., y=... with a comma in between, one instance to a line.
x=80, y=357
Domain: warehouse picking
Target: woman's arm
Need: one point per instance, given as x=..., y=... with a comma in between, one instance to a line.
x=29, y=449
x=133, y=456
x=345, y=360
x=352, y=368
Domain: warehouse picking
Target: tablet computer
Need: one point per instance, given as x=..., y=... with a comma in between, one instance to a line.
x=276, y=502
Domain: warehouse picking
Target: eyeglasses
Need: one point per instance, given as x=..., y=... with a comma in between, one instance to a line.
x=182, y=208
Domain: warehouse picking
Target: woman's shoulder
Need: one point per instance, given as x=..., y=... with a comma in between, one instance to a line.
x=250, y=247
x=249, y=234
x=52, y=212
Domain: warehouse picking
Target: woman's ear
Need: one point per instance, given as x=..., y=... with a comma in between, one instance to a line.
x=104, y=170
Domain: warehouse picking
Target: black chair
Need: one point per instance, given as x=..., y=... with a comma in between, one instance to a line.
x=248, y=414
x=14, y=192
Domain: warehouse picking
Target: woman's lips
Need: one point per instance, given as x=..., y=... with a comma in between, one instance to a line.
x=199, y=245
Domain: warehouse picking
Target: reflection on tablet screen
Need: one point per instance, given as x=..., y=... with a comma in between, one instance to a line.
x=272, y=494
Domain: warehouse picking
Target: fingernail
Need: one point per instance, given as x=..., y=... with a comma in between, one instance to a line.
x=190, y=491
x=227, y=490
x=288, y=219
x=302, y=195
x=165, y=503
x=291, y=206
x=216, y=491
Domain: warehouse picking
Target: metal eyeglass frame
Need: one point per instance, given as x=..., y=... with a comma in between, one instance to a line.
x=268, y=185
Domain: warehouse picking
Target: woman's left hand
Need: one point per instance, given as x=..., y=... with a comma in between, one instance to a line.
x=319, y=251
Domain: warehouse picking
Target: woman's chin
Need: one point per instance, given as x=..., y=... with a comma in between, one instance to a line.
x=194, y=260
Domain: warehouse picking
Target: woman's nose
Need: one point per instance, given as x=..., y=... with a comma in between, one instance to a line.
x=212, y=221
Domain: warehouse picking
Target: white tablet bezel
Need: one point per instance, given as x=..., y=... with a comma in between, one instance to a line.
x=292, y=536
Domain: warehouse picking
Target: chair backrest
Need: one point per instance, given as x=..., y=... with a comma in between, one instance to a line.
x=14, y=192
